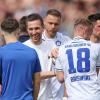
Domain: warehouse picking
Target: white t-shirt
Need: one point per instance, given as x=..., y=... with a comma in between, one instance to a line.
x=78, y=59
x=59, y=40
x=43, y=51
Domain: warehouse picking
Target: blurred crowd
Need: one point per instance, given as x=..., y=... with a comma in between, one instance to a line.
x=32, y=27
x=70, y=9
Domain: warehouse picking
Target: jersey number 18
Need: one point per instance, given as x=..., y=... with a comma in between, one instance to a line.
x=80, y=60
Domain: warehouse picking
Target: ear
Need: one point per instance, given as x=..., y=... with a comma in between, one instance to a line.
x=2, y=33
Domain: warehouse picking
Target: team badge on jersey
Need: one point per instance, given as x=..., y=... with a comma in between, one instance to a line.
x=58, y=43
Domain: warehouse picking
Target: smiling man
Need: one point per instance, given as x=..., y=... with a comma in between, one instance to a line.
x=35, y=28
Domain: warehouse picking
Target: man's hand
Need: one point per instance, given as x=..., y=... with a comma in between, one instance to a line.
x=54, y=53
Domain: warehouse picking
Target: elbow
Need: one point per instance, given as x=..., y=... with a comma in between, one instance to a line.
x=60, y=76
x=41, y=76
x=61, y=80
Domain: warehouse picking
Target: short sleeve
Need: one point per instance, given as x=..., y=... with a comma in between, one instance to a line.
x=37, y=65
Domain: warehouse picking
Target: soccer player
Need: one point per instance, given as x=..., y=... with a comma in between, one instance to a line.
x=95, y=18
x=51, y=34
x=19, y=66
x=52, y=23
x=35, y=28
x=76, y=64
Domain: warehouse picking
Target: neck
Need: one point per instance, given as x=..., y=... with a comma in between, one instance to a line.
x=37, y=43
x=94, y=39
x=10, y=39
x=50, y=34
x=78, y=35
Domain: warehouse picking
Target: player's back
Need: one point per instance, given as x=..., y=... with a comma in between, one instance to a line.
x=79, y=59
x=18, y=65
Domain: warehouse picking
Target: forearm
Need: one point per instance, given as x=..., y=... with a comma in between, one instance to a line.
x=47, y=74
x=36, y=87
x=65, y=92
x=65, y=97
x=36, y=92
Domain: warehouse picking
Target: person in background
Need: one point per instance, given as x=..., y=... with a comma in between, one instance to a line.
x=51, y=34
x=95, y=37
x=95, y=19
x=2, y=17
x=23, y=36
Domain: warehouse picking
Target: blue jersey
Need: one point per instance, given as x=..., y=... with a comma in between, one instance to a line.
x=18, y=63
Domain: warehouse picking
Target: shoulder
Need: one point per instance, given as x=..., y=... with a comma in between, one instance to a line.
x=1, y=49
x=26, y=42
x=27, y=46
x=65, y=46
x=97, y=45
x=30, y=50
x=30, y=46
x=65, y=37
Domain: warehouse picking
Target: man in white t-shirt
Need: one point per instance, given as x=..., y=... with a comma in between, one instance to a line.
x=51, y=35
x=35, y=27
x=76, y=64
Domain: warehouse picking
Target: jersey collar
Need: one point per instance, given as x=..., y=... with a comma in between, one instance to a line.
x=44, y=37
x=78, y=38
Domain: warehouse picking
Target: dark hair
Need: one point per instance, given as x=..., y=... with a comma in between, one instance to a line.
x=53, y=12
x=9, y=25
x=35, y=16
x=94, y=17
x=66, y=1
x=22, y=24
x=83, y=22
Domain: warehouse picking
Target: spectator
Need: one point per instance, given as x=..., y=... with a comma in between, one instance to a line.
x=23, y=36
